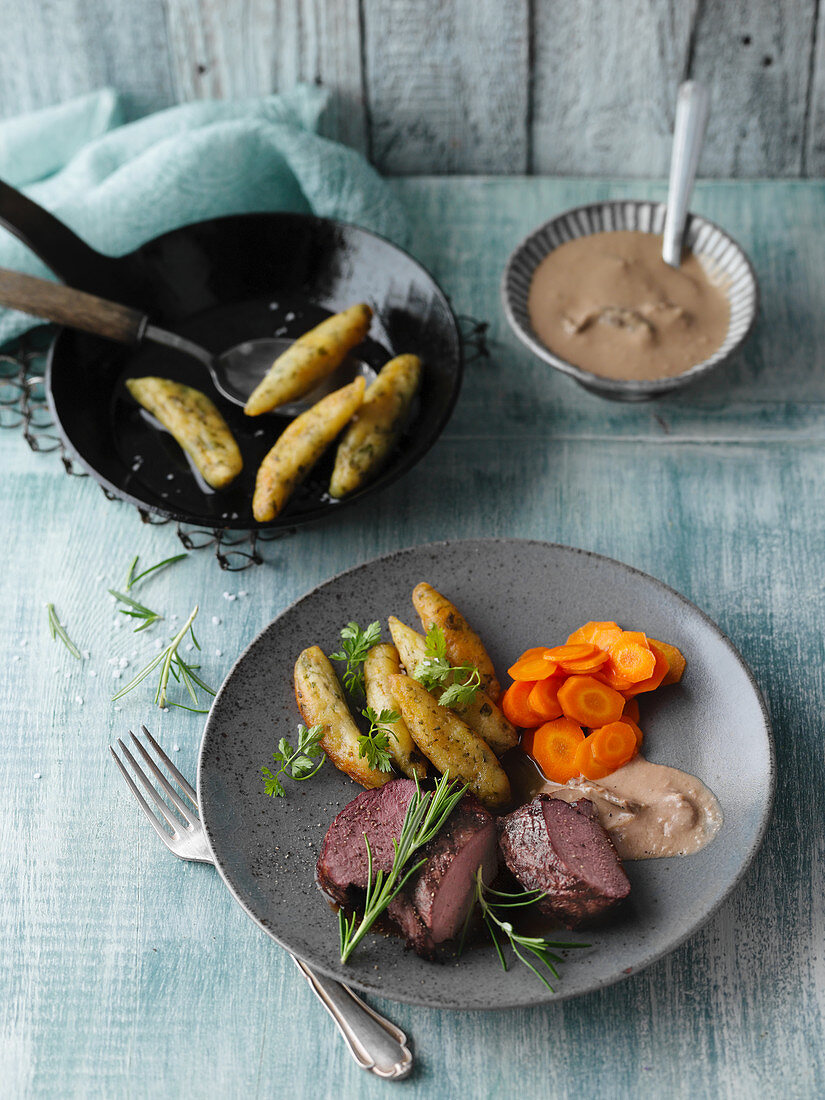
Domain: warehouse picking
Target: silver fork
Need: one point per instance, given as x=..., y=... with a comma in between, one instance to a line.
x=376, y=1044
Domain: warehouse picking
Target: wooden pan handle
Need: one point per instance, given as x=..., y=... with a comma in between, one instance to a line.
x=74, y=308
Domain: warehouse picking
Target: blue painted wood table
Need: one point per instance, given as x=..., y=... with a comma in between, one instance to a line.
x=125, y=973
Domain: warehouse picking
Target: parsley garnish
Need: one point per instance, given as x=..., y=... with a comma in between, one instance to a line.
x=356, y=644
x=435, y=670
x=375, y=743
x=298, y=763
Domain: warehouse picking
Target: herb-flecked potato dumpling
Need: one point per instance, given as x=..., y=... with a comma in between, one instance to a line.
x=321, y=702
x=381, y=664
x=312, y=357
x=464, y=647
x=299, y=447
x=195, y=423
x=370, y=438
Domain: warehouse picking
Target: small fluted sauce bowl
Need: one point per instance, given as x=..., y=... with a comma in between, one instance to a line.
x=724, y=260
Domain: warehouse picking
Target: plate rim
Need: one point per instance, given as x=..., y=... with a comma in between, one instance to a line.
x=541, y=998
x=283, y=522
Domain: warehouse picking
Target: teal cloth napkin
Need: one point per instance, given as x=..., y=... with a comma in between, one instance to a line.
x=118, y=185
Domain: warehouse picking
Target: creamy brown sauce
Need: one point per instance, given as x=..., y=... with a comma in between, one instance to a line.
x=649, y=810
x=610, y=304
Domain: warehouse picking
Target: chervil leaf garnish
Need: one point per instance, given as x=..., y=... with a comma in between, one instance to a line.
x=298, y=763
x=375, y=743
x=355, y=645
x=459, y=683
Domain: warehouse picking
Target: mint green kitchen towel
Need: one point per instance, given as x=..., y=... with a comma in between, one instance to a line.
x=119, y=185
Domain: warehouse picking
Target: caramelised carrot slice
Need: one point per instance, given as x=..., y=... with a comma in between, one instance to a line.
x=576, y=652
x=588, y=664
x=536, y=667
x=613, y=744
x=632, y=657
x=658, y=676
x=675, y=660
x=554, y=747
x=588, y=701
x=601, y=634
x=586, y=765
x=516, y=706
x=544, y=698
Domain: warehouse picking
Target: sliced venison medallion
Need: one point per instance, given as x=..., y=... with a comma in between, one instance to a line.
x=432, y=907
x=561, y=848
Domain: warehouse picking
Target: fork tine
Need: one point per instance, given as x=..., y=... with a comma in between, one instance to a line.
x=174, y=797
x=160, y=805
x=187, y=788
x=153, y=821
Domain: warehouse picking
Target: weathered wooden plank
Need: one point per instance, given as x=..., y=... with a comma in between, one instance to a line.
x=814, y=162
x=605, y=78
x=447, y=85
x=53, y=51
x=252, y=47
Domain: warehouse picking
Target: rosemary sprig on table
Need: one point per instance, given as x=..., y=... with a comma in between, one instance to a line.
x=136, y=610
x=543, y=951
x=375, y=743
x=298, y=763
x=355, y=645
x=132, y=579
x=426, y=814
x=57, y=630
x=435, y=670
x=172, y=664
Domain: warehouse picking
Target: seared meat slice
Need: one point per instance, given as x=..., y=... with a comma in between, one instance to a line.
x=434, y=904
x=560, y=848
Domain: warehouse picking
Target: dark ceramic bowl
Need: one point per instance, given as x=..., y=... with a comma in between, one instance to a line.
x=723, y=257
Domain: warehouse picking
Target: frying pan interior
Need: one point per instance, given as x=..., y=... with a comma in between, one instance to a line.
x=222, y=282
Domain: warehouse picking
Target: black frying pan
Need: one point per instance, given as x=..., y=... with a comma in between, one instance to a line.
x=221, y=282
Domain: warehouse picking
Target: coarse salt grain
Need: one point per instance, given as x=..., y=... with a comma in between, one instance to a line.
x=123, y=662
x=37, y=775
x=218, y=652
x=176, y=748
x=216, y=620
x=79, y=700
x=16, y=657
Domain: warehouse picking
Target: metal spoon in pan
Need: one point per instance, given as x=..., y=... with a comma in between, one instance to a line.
x=234, y=372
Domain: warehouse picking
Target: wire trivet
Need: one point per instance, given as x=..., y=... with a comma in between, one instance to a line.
x=23, y=407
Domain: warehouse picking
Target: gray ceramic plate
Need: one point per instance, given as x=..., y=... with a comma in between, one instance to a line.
x=517, y=594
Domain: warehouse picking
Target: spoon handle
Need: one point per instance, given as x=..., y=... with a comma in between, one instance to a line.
x=75, y=308
x=688, y=133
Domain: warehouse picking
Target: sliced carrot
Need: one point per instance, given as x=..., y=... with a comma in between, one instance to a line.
x=601, y=634
x=636, y=730
x=577, y=652
x=554, y=748
x=632, y=657
x=657, y=678
x=631, y=710
x=587, y=700
x=536, y=651
x=613, y=744
x=544, y=698
x=608, y=675
x=516, y=707
x=585, y=763
x=675, y=660
x=532, y=668
x=587, y=664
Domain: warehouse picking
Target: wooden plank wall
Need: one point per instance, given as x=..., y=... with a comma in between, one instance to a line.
x=578, y=87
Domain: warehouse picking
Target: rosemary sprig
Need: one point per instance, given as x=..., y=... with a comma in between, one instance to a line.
x=132, y=579
x=543, y=951
x=172, y=664
x=426, y=813
x=57, y=630
x=298, y=763
x=375, y=743
x=355, y=645
x=136, y=610
x=434, y=670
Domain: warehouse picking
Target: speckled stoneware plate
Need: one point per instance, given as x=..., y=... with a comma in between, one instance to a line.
x=725, y=261
x=517, y=594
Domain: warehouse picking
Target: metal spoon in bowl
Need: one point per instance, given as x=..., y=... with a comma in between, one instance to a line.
x=234, y=373
x=688, y=134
